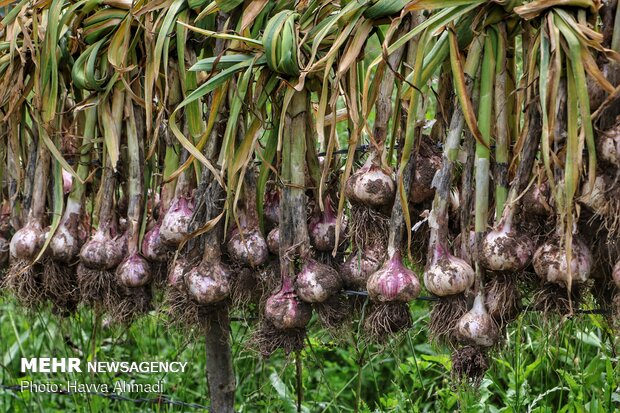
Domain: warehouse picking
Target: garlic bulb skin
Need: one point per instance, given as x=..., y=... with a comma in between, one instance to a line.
x=153, y=248
x=476, y=327
x=393, y=282
x=551, y=265
x=102, y=251
x=608, y=146
x=316, y=282
x=370, y=186
x=273, y=241
x=208, y=283
x=134, y=271
x=322, y=229
x=615, y=274
x=4, y=251
x=503, y=249
x=249, y=248
x=27, y=241
x=284, y=309
x=359, y=266
x=448, y=275
x=175, y=224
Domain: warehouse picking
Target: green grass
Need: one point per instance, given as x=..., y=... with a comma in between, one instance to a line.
x=572, y=368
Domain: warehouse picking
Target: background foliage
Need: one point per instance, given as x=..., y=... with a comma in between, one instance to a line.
x=540, y=368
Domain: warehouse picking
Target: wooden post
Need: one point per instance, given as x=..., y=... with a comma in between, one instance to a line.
x=220, y=373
